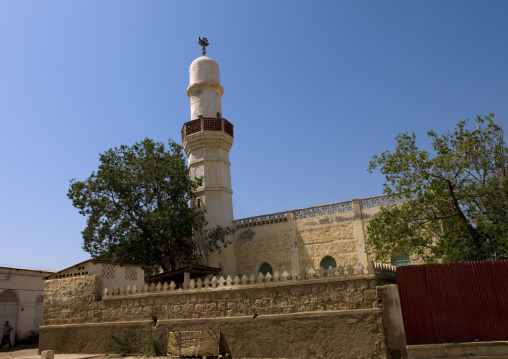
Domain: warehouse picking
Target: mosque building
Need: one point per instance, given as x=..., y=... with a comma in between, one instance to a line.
x=295, y=240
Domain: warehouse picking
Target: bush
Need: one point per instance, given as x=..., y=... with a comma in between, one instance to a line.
x=121, y=345
x=154, y=346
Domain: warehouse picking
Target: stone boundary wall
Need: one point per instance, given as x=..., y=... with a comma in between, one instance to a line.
x=317, y=314
x=223, y=298
x=345, y=334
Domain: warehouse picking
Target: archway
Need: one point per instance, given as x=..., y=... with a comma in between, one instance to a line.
x=38, y=313
x=9, y=309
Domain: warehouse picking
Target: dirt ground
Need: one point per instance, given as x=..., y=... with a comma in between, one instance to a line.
x=18, y=351
x=31, y=352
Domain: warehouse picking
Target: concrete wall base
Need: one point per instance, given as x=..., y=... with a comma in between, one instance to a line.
x=477, y=350
x=328, y=334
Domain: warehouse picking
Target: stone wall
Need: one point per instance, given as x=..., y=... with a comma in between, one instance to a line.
x=76, y=300
x=329, y=235
x=70, y=299
x=313, y=314
x=318, y=335
x=263, y=244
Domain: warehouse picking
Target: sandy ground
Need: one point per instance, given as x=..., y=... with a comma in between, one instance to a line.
x=31, y=352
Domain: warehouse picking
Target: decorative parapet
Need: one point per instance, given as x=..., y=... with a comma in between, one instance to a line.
x=375, y=270
x=261, y=220
x=324, y=210
x=386, y=200
x=207, y=124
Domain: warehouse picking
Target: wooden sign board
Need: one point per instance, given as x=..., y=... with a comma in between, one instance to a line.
x=194, y=343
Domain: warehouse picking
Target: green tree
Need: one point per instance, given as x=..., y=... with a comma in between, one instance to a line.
x=454, y=200
x=138, y=209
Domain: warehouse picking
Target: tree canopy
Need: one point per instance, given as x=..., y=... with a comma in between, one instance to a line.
x=138, y=209
x=455, y=198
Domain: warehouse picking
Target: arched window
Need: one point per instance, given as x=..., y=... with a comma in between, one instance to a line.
x=401, y=260
x=8, y=296
x=328, y=262
x=265, y=268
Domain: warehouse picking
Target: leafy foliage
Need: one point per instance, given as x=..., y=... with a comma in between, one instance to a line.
x=155, y=347
x=137, y=208
x=459, y=206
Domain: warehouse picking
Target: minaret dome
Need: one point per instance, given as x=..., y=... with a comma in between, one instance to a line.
x=204, y=89
x=204, y=70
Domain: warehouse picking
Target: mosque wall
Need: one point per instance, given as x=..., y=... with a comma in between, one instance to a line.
x=329, y=235
x=301, y=239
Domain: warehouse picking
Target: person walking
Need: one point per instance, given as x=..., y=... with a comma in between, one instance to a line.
x=6, y=338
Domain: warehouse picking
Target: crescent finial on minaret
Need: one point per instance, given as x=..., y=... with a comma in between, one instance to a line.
x=203, y=42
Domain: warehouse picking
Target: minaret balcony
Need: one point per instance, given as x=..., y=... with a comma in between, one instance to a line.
x=207, y=124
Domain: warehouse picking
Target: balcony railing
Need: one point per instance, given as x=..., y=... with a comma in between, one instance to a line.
x=207, y=124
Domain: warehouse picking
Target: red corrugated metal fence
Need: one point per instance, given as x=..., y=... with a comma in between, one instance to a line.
x=456, y=302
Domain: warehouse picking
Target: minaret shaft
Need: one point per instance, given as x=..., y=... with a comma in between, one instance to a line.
x=207, y=140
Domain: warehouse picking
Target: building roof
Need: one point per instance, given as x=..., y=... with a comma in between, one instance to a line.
x=3, y=270
x=101, y=261
x=177, y=274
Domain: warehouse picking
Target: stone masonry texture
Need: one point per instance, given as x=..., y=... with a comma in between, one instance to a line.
x=320, y=318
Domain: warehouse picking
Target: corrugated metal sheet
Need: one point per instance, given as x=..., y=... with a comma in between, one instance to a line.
x=456, y=302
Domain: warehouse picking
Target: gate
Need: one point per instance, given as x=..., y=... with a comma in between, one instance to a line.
x=455, y=302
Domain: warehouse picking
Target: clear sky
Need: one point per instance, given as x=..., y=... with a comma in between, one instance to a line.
x=314, y=90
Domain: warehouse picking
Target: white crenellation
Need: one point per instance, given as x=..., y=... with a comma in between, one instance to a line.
x=340, y=271
x=268, y=277
x=214, y=282
x=360, y=268
x=378, y=270
x=370, y=268
x=276, y=276
x=260, y=278
x=285, y=276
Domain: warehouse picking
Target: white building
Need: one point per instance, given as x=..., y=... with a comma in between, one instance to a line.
x=21, y=298
x=113, y=274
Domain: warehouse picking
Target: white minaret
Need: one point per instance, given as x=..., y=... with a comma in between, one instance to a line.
x=207, y=139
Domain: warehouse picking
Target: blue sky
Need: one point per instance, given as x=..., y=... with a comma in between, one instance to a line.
x=314, y=90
